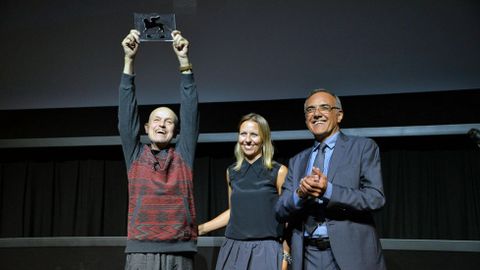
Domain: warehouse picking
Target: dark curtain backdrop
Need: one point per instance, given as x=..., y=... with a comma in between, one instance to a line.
x=63, y=198
x=432, y=186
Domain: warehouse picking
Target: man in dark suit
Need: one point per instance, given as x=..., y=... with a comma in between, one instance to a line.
x=330, y=193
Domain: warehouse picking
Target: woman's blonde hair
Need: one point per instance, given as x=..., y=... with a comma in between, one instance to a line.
x=267, y=146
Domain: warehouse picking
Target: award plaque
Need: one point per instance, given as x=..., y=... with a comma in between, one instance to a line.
x=155, y=26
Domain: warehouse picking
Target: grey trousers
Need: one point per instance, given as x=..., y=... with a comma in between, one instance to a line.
x=319, y=259
x=159, y=261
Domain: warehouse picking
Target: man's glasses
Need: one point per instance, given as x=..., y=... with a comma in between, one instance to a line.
x=324, y=108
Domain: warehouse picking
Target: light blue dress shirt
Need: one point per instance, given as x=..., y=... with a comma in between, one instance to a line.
x=321, y=230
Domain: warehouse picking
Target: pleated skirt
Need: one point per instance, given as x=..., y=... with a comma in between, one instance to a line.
x=250, y=255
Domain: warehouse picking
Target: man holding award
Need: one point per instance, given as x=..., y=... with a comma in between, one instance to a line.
x=162, y=231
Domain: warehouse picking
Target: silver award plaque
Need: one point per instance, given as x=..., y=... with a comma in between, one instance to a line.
x=155, y=26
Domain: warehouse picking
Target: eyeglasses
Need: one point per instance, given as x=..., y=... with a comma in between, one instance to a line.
x=324, y=108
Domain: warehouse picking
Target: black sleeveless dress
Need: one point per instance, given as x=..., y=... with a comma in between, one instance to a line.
x=252, y=236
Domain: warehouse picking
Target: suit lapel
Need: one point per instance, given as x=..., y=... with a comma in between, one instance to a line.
x=337, y=155
x=304, y=160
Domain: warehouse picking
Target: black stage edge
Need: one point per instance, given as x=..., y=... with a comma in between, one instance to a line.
x=100, y=253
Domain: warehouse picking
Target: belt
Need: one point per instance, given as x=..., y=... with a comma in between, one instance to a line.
x=320, y=243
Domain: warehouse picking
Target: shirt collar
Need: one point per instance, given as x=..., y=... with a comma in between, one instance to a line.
x=330, y=141
x=257, y=165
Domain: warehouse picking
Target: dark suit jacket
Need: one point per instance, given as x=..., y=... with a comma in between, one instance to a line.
x=355, y=173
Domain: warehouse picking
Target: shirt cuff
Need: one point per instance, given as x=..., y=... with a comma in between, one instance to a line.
x=297, y=201
x=328, y=193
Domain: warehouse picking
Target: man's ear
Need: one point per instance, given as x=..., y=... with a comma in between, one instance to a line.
x=176, y=131
x=146, y=128
x=339, y=116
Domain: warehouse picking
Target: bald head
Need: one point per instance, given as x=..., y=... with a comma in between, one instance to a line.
x=161, y=127
x=164, y=111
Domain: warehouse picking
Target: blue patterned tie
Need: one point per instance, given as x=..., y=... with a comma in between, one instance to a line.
x=312, y=219
x=320, y=158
